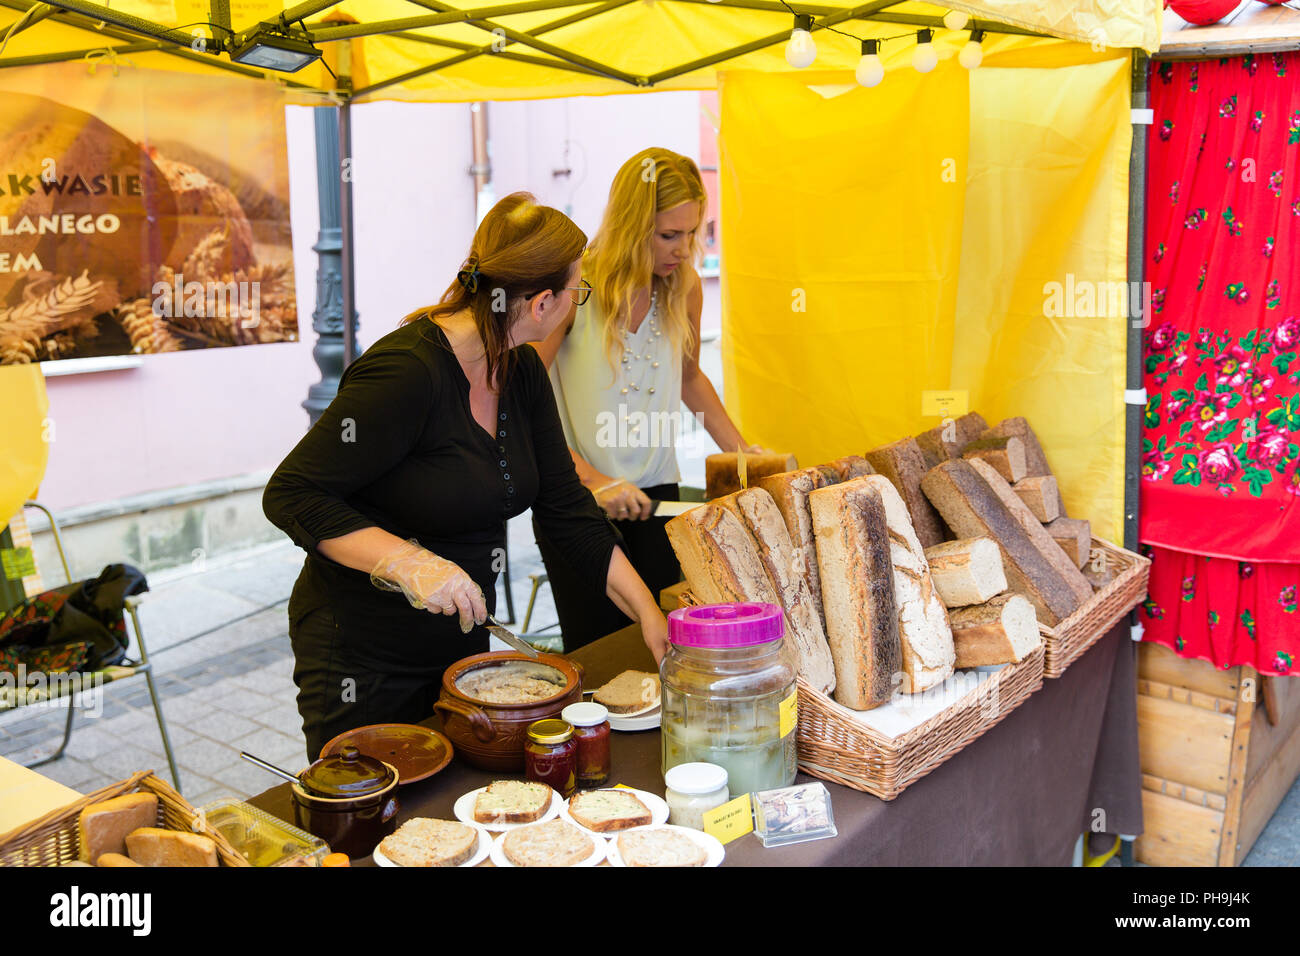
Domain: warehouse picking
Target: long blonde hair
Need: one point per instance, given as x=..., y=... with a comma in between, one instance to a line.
x=519, y=249
x=621, y=254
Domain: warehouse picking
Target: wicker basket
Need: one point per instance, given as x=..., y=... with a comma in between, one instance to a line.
x=838, y=748
x=53, y=840
x=1070, y=638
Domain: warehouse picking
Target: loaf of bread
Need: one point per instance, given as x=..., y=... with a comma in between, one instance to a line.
x=972, y=510
x=1038, y=535
x=948, y=441
x=718, y=557
x=925, y=639
x=852, y=548
x=846, y=469
x=1041, y=496
x=903, y=464
x=1007, y=455
x=722, y=471
x=967, y=571
x=1074, y=536
x=803, y=625
x=115, y=859
x=1035, y=460
x=154, y=846
x=1003, y=631
x=104, y=825
x=790, y=491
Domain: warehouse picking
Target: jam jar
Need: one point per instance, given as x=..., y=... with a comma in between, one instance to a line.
x=551, y=755
x=591, y=730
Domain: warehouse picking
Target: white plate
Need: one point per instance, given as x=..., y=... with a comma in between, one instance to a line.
x=709, y=844
x=644, y=719
x=464, y=810
x=601, y=848
x=481, y=849
x=655, y=804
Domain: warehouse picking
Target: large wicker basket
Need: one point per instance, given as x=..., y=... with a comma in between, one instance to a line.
x=1066, y=642
x=53, y=840
x=838, y=748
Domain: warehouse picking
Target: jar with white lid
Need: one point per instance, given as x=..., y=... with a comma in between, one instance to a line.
x=693, y=789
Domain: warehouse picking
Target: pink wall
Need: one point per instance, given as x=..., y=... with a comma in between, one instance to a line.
x=196, y=416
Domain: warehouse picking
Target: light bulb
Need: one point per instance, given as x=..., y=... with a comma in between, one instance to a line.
x=956, y=20
x=971, y=55
x=870, y=70
x=924, y=58
x=800, y=50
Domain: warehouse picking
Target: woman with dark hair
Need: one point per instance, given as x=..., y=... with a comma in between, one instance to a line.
x=399, y=494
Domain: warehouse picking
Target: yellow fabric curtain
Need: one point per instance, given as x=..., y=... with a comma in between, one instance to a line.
x=24, y=445
x=918, y=225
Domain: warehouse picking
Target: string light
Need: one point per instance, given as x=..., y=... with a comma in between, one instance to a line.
x=800, y=50
x=972, y=54
x=924, y=58
x=870, y=70
x=956, y=19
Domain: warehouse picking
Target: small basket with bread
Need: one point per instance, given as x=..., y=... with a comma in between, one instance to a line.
x=140, y=821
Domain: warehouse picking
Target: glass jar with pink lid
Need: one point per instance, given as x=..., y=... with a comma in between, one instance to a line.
x=729, y=694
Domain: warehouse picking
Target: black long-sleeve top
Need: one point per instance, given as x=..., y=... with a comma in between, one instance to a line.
x=399, y=449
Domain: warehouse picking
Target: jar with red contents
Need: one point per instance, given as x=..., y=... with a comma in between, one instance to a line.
x=591, y=730
x=551, y=755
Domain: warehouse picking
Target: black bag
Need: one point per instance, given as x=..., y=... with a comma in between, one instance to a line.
x=89, y=611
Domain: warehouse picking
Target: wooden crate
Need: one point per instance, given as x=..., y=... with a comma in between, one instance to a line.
x=1219, y=751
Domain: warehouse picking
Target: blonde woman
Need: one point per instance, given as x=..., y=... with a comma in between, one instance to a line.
x=622, y=365
x=399, y=494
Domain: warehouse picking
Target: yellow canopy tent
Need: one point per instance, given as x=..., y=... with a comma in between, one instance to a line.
x=980, y=268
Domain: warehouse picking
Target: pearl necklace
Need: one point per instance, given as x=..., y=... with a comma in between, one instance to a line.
x=651, y=348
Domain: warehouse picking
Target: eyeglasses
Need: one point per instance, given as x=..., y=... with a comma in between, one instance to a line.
x=583, y=290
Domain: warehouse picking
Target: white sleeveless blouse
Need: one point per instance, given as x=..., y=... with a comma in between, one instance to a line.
x=625, y=422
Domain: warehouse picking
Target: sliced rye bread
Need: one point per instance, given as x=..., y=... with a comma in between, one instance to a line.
x=629, y=692
x=605, y=811
x=718, y=557
x=790, y=491
x=660, y=848
x=1002, y=631
x=512, y=801
x=903, y=464
x=425, y=842
x=967, y=571
x=554, y=843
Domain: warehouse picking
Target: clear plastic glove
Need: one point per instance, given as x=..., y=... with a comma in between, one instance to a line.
x=432, y=583
x=623, y=500
x=758, y=450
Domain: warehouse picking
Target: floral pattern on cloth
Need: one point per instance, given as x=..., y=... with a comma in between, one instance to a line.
x=1220, y=506
x=1221, y=449
x=1225, y=612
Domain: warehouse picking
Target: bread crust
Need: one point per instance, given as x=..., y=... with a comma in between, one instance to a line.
x=903, y=464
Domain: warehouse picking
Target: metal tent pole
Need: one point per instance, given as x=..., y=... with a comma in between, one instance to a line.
x=1138, y=301
x=343, y=172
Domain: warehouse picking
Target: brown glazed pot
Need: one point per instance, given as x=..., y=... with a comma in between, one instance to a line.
x=492, y=736
x=348, y=800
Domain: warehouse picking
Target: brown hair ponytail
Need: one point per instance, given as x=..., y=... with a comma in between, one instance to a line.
x=519, y=249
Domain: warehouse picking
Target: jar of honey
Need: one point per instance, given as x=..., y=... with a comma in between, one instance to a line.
x=551, y=755
x=591, y=730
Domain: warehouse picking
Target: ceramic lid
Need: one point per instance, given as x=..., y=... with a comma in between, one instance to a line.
x=350, y=773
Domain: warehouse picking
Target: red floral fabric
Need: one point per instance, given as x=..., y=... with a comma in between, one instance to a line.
x=1220, y=509
x=1221, y=453
x=1225, y=612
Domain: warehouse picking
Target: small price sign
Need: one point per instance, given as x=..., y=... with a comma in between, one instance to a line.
x=733, y=819
x=949, y=404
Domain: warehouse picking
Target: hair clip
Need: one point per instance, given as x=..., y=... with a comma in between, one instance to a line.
x=469, y=278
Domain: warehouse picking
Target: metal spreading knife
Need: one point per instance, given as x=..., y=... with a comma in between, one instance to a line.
x=502, y=633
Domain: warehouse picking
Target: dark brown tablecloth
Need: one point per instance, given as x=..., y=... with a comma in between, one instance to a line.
x=1061, y=763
